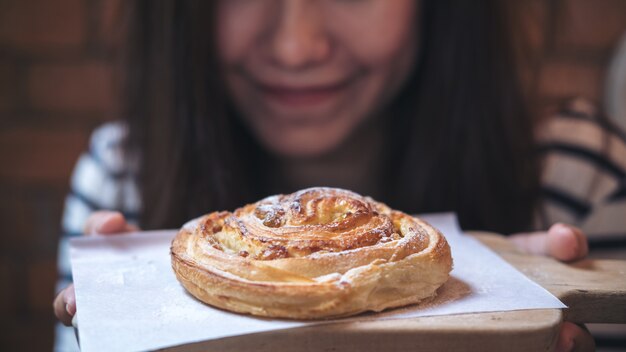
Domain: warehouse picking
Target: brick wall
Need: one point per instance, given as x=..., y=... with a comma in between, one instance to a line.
x=56, y=86
x=577, y=42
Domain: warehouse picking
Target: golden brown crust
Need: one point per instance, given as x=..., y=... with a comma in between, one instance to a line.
x=316, y=253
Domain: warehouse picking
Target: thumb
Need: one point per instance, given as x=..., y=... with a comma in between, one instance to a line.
x=574, y=338
x=107, y=222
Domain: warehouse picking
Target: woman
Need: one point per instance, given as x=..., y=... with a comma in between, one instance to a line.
x=414, y=103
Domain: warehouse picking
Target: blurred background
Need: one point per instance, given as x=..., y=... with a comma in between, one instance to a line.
x=56, y=85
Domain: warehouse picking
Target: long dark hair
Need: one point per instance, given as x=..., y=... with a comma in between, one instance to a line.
x=461, y=135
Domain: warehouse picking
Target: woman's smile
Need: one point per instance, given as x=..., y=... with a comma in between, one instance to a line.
x=297, y=100
x=303, y=75
x=303, y=97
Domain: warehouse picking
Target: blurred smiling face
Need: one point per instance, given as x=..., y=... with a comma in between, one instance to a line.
x=303, y=74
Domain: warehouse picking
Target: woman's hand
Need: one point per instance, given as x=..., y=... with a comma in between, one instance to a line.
x=98, y=223
x=565, y=243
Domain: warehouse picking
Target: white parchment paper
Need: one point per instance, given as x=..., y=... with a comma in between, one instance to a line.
x=128, y=298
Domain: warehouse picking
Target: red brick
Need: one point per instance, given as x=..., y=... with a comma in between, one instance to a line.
x=71, y=88
x=533, y=15
x=7, y=289
x=591, y=25
x=31, y=217
x=534, y=18
x=39, y=156
x=42, y=276
x=562, y=80
x=8, y=84
x=28, y=333
x=110, y=27
x=16, y=220
x=37, y=24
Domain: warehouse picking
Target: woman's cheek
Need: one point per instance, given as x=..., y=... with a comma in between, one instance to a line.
x=239, y=26
x=378, y=34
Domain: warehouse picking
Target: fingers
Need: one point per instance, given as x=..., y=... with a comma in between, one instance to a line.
x=107, y=222
x=562, y=242
x=574, y=338
x=100, y=222
x=566, y=243
x=65, y=305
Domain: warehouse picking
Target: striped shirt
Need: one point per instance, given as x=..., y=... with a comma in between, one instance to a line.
x=583, y=184
x=583, y=180
x=584, y=177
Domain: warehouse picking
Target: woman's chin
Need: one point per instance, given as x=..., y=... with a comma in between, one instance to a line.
x=301, y=147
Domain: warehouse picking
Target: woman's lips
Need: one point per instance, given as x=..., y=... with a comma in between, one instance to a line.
x=302, y=97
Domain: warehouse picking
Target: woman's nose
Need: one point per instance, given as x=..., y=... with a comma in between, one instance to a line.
x=300, y=38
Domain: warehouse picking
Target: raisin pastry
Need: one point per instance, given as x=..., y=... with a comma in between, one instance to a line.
x=317, y=253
